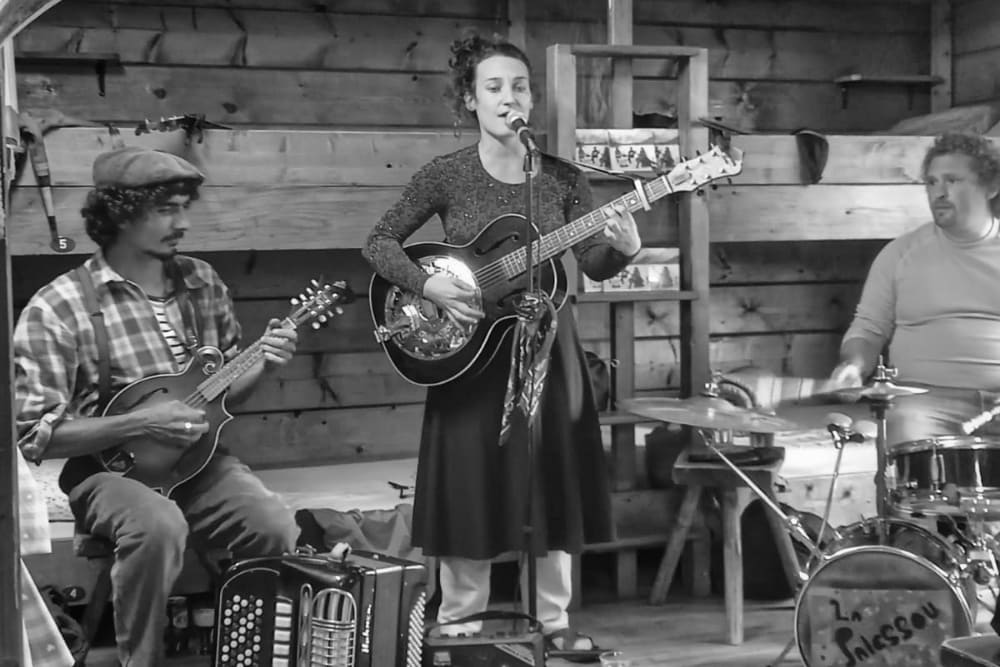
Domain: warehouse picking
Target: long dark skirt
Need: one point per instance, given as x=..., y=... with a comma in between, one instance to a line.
x=472, y=493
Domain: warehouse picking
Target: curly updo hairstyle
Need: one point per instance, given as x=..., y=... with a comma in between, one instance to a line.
x=107, y=208
x=466, y=54
x=985, y=158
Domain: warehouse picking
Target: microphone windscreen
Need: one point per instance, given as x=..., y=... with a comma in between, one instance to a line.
x=838, y=419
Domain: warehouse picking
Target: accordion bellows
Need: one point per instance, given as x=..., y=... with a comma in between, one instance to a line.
x=320, y=610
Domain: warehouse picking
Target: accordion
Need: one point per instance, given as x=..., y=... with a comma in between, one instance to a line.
x=321, y=610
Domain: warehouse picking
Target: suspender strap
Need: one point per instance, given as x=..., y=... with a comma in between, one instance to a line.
x=100, y=336
x=190, y=315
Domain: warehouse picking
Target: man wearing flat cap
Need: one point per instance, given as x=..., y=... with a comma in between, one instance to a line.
x=157, y=308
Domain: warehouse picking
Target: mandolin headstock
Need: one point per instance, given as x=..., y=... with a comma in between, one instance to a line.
x=320, y=302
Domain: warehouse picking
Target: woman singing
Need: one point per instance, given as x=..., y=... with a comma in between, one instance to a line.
x=471, y=494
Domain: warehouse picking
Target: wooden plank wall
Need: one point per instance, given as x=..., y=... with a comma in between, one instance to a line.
x=364, y=78
x=976, y=44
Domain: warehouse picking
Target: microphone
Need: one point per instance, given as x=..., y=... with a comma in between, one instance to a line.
x=516, y=121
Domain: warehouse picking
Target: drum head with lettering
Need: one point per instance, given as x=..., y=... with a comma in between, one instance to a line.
x=877, y=605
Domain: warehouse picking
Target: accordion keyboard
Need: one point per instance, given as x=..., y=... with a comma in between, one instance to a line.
x=241, y=639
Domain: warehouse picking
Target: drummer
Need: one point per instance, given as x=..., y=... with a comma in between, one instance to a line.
x=933, y=297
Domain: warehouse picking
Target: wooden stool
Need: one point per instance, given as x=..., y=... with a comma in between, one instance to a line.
x=981, y=651
x=734, y=496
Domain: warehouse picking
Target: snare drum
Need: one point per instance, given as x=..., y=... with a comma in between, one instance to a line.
x=892, y=603
x=948, y=475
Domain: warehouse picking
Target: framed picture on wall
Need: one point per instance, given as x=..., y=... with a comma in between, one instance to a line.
x=652, y=269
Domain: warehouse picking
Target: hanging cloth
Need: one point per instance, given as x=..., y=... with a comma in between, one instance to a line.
x=534, y=335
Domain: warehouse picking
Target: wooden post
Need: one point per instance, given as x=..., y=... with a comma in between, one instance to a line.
x=517, y=23
x=941, y=50
x=10, y=545
x=692, y=104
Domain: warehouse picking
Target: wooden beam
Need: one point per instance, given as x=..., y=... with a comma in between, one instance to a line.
x=620, y=32
x=10, y=544
x=390, y=158
x=280, y=439
x=289, y=218
x=942, y=27
x=241, y=96
x=694, y=229
x=165, y=35
x=12, y=14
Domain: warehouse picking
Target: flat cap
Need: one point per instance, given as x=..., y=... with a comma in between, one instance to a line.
x=134, y=166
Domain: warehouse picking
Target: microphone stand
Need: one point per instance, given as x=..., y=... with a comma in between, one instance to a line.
x=526, y=312
x=531, y=306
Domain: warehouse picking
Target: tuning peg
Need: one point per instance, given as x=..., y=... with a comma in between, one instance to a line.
x=729, y=180
x=714, y=186
x=338, y=310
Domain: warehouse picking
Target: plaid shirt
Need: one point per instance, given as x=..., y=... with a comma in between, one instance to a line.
x=55, y=354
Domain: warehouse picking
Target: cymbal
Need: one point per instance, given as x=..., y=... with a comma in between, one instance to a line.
x=707, y=412
x=879, y=391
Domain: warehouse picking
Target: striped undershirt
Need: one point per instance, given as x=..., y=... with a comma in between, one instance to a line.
x=169, y=333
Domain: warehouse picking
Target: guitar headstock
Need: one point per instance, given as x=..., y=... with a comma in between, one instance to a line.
x=710, y=166
x=320, y=302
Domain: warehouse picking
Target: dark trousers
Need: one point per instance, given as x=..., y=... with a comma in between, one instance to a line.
x=225, y=507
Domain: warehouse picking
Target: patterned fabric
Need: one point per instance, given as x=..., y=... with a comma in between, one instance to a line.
x=162, y=308
x=43, y=644
x=55, y=355
x=529, y=365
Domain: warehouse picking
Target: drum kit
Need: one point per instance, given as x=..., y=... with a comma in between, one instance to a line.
x=889, y=589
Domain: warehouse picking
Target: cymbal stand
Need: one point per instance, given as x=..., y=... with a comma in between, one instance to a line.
x=839, y=440
x=793, y=525
x=879, y=406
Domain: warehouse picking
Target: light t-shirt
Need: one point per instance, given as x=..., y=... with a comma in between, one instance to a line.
x=938, y=302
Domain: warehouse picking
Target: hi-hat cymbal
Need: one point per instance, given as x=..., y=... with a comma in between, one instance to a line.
x=879, y=391
x=707, y=412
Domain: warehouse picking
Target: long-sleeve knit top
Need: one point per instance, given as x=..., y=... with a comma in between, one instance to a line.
x=466, y=198
x=937, y=302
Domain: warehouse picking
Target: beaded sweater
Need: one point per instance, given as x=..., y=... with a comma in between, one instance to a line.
x=458, y=189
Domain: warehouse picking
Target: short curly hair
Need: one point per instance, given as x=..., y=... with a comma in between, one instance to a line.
x=466, y=54
x=985, y=158
x=106, y=209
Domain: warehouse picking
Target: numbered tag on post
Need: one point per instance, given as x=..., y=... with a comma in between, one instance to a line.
x=62, y=244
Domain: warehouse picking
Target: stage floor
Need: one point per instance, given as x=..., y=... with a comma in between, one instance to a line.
x=679, y=634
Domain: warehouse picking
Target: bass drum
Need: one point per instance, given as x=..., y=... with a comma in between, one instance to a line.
x=892, y=601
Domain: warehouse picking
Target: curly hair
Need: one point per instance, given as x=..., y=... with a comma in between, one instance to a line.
x=106, y=209
x=985, y=158
x=466, y=54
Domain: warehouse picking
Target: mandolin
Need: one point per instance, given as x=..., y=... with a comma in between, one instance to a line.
x=202, y=383
x=428, y=348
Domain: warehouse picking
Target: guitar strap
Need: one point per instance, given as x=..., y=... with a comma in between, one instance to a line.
x=188, y=313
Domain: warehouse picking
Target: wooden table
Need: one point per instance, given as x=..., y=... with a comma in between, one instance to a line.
x=734, y=496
